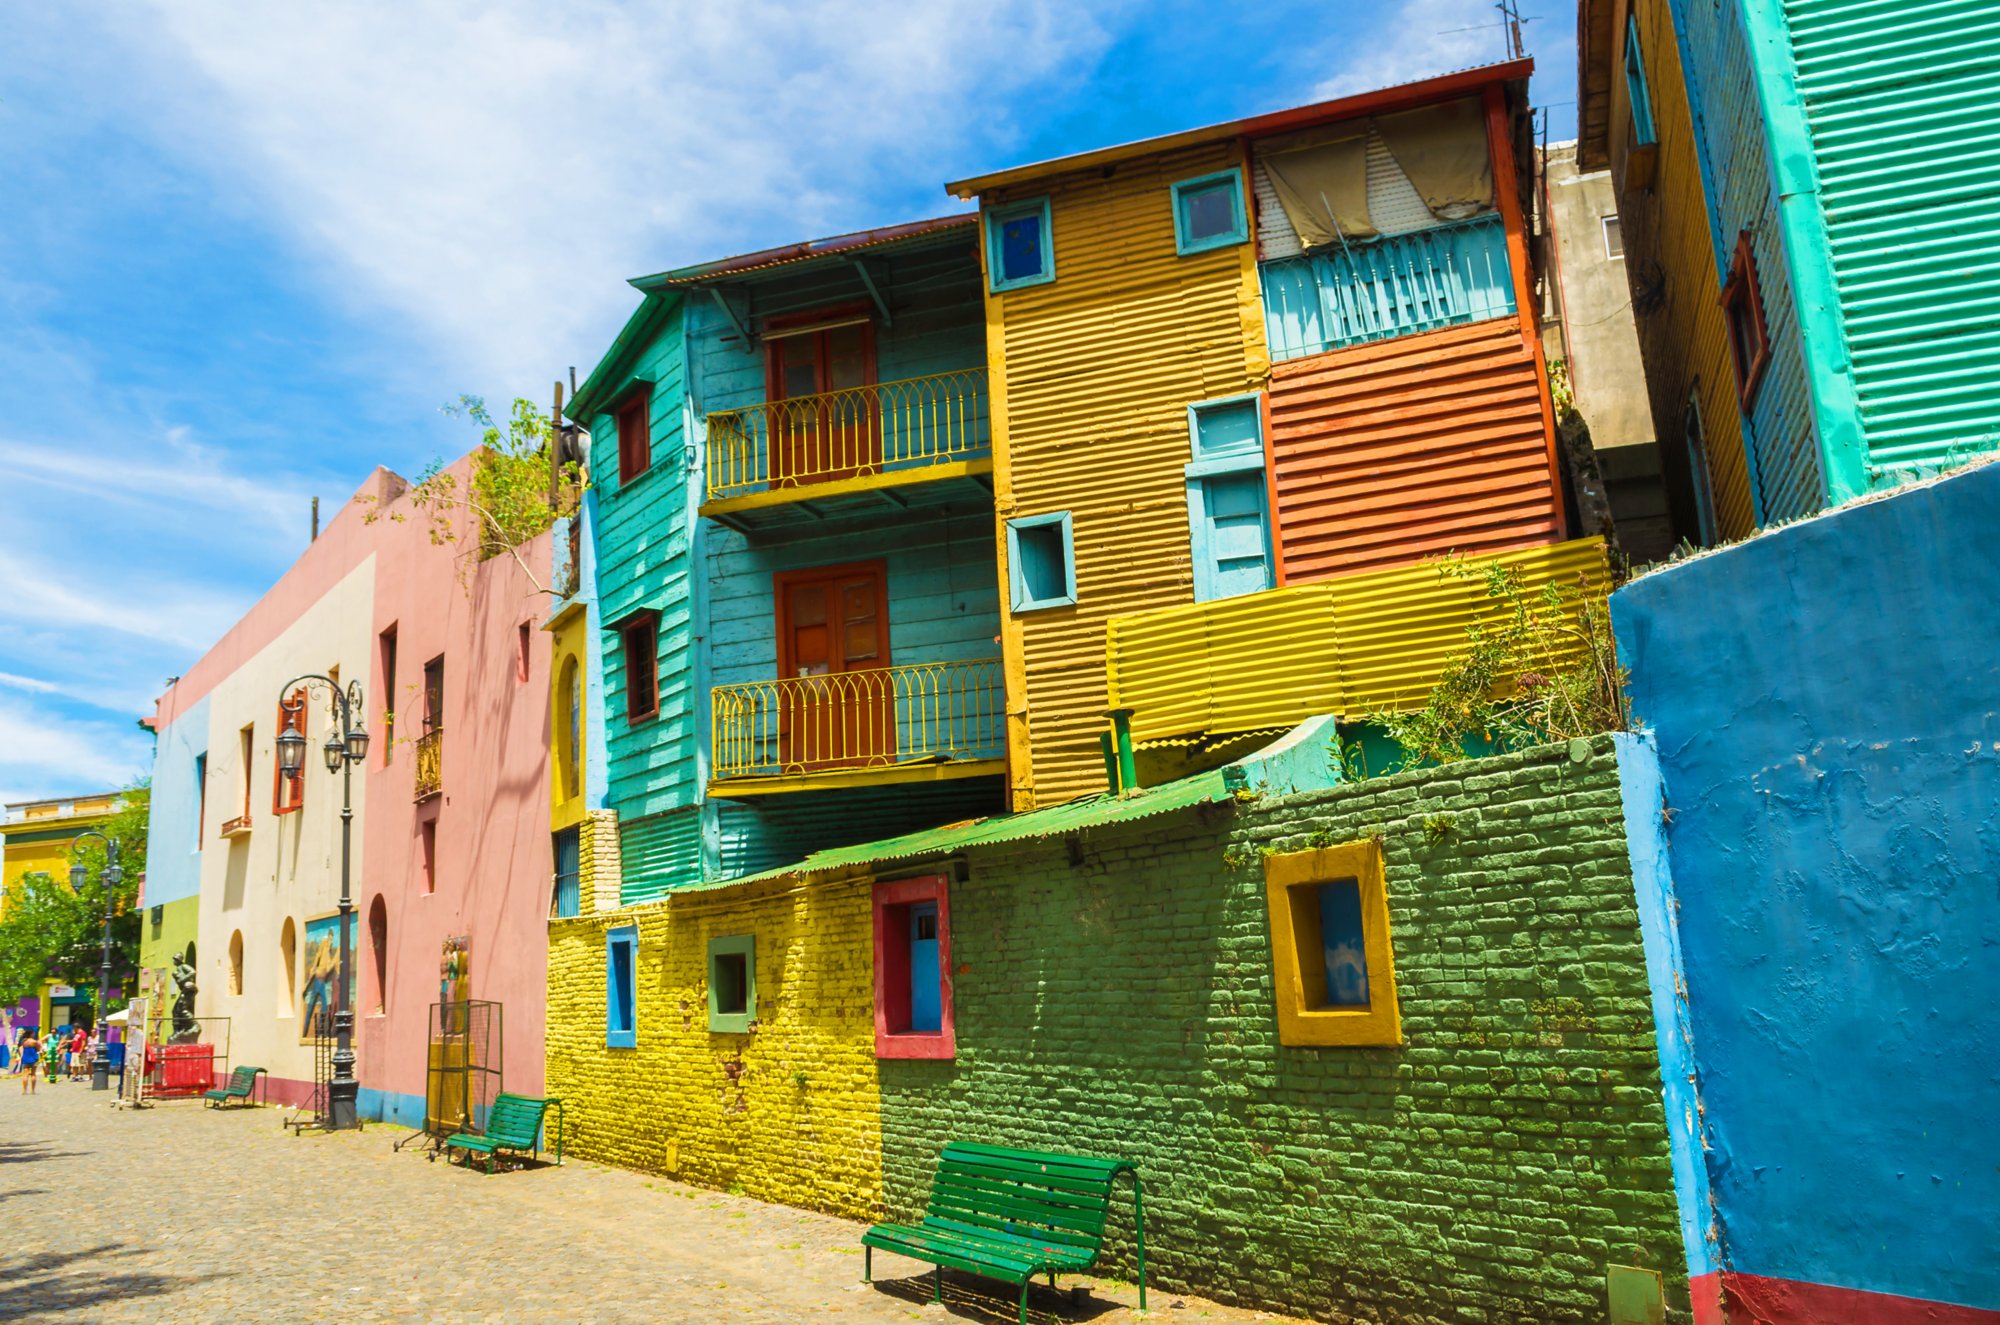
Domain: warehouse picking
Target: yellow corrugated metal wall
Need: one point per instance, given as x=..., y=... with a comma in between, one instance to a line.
x=1351, y=645
x=1682, y=335
x=1091, y=378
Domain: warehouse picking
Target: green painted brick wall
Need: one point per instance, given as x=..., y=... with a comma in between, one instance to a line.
x=1485, y=1171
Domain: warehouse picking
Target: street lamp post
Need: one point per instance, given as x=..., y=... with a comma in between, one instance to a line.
x=111, y=875
x=345, y=747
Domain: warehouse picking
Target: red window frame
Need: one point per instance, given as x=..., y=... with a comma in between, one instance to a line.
x=288, y=792
x=634, y=416
x=641, y=625
x=892, y=903
x=1743, y=311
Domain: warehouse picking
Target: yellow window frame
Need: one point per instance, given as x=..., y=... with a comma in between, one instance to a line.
x=1291, y=884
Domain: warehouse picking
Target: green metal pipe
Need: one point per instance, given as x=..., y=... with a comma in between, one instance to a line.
x=1110, y=761
x=1121, y=730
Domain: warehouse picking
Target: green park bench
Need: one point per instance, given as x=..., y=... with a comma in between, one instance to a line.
x=241, y=1082
x=513, y=1124
x=1011, y=1215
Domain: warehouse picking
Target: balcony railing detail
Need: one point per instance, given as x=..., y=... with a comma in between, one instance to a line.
x=921, y=712
x=870, y=429
x=430, y=763
x=1394, y=286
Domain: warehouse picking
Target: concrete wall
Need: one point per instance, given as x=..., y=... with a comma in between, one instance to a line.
x=1827, y=702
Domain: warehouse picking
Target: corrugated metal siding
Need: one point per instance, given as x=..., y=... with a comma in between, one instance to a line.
x=764, y=832
x=1729, y=124
x=1900, y=99
x=1401, y=449
x=658, y=854
x=1350, y=646
x=1682, y=335
x=1096, y=371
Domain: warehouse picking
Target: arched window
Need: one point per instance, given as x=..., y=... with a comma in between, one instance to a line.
x=378, y=949
x=236, y=962
x=288, y=951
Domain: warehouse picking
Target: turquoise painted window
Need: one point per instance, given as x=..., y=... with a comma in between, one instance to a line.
x=1020, y=248
x=1041, y=566
x=201, y=798
x=1229, y=523
x=926, y=1007
x=1398, y=285
x=1344, y=944
x=568, y=872
x=621, y=988
x=1209, y=212
x=1635, y=86
x=732, y=983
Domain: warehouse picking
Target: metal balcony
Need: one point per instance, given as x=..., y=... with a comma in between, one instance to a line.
x=923, y=721
x=430, y=764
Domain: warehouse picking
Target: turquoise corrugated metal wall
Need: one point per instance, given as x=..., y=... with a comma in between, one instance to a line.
x=765, y=832
x=658, y=854
x=1786, y=476
x=1900, y=99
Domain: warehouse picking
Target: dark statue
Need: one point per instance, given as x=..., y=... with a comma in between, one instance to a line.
x=186, y=1029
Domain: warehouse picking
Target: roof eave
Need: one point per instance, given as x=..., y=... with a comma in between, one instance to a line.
x=639, y=329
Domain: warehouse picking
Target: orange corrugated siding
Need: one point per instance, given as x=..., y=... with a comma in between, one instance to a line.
x=1092, y=376
x=1391, y=452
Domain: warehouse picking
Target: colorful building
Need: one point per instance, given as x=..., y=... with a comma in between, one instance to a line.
x=449, y=850
x=1803, y=188
x=37, y=837
x=1236, y=371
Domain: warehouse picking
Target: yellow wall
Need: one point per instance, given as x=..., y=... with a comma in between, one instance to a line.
x=1683, y=338
x=48, y=854
x=566, y=775
x=1092, y=375
x=790, y=1112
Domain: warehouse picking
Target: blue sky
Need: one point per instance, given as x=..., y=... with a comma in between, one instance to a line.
x=246, y=252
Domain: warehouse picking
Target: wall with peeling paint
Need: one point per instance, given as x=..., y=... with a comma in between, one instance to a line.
x=1826, y=699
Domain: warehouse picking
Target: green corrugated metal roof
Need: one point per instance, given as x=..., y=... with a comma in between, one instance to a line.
x=1055, y=820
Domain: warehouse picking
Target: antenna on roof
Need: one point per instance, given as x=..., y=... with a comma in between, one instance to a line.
x=1510, y=15
x=315, y=534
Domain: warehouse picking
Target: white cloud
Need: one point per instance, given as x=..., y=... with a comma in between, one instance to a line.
x=1413, y=40
x=29, y=684
x=494, y=173
x=44, y=754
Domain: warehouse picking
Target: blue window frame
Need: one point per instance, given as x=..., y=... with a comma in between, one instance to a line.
x=732, y=983
x=1229, y=526
x=1020, y=245
x=621, y=987
x=1041, y=565
x=568, y=872
x=1209, y=212
x=1635, y=86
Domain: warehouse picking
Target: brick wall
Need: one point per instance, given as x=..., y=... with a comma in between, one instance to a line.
x=1487, y=1170
x=788, y=1112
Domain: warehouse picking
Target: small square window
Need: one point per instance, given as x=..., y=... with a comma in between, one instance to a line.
x=621, y=961
x=1209, y=212
x=1020, y=248
x=1743, y=310
x=913, y=1003
x=1041, y=565
x=732, y=983
x=1335, y=973
x=1614, y=238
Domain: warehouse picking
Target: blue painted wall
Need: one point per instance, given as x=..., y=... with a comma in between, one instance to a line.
x=1786, y=474
x=1827, y=704
x=173, y=860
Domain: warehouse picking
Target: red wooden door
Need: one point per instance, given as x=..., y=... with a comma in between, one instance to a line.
x=840, y=433
x=839, y=705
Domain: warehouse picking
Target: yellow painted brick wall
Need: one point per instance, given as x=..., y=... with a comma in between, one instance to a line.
x=789, y=1112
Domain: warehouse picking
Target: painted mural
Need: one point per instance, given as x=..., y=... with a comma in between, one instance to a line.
x=320, y=972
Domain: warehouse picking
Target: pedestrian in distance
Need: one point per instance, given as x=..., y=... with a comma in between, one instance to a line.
x=31, y=1052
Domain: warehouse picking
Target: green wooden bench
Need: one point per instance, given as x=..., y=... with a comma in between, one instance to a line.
x=514, y=1123
x=1011, y=1215
x=241, y=1082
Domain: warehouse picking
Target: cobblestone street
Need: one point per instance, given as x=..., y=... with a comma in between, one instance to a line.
x=179, y=1213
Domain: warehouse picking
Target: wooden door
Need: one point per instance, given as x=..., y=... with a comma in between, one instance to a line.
x=836, y=430
x=838, y=705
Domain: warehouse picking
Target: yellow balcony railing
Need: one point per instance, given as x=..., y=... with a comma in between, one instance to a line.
x=874, y=429
x=923, y=712
x=1359, y=644
x=430, y=763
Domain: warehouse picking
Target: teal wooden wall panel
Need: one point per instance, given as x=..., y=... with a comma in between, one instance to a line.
x=643, y=561
x=1899, y=100
x=766, y=832
x=1786, y=476
x=658, y=854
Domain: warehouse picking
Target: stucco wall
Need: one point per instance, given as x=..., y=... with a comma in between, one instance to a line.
x=1827, y=701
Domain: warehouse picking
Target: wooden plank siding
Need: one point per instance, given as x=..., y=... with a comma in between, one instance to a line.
x=1092, y=376
x=1671, y=264
x=1393, y=451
